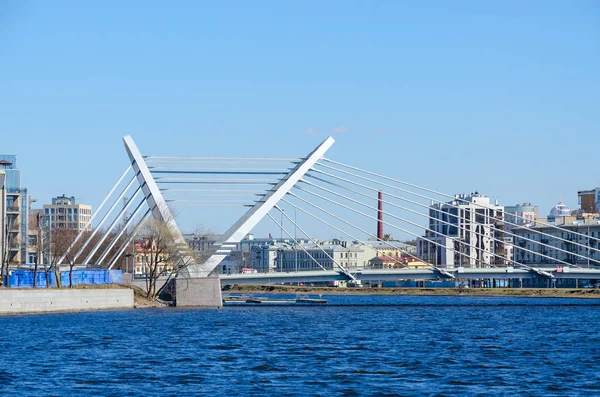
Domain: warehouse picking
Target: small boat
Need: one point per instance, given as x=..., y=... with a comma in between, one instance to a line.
x=274, y=301
x=251, y=300
x=307, y=299
x=256, y=300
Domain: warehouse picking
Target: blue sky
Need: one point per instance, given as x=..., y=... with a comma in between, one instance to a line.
x=496, y=96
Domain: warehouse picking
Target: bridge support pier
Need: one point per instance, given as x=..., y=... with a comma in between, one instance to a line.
x=198, y=292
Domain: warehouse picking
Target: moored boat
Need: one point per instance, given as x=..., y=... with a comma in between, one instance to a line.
x=251, y=300
x=307, y=299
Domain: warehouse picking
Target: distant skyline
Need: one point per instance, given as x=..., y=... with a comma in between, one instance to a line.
x=501, y=97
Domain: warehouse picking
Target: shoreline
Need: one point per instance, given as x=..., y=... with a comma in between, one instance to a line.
x=591, y=293
x=10, y=298
x=61, y=300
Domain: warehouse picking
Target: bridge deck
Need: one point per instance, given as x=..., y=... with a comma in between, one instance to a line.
x=406, y=274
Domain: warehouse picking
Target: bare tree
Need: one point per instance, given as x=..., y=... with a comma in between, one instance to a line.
x=39, y=247
x=42, y=244
x=161, y=255
x=11, y=244
x=61, y=241
x=6, y=252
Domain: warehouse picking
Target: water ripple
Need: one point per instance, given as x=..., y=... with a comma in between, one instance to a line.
x=357, y=346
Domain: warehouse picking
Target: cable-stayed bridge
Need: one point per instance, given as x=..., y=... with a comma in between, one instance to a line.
x=459, y=237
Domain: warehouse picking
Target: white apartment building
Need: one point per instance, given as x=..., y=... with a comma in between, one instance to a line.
x=581, y=238
x=66, y=213
x=465, y=232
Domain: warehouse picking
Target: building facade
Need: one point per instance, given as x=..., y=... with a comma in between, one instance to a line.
x=578, y=247
x=3, y=232
x=564, y=236
x=148, y=258
x=324, y=255
x=589, y=200
x=465, y=232
x=286, y=257
x=15, y=212
x=520, y=215
x=66, y=213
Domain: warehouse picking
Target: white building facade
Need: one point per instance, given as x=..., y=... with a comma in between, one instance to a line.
x=574, y=243
x=465, y=232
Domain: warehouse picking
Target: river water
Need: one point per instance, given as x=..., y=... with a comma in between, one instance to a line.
x=354, y=346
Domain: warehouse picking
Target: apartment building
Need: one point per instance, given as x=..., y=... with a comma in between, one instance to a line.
x=66, y=213
x=15, y=212
x=564, y=236
x=520, y=215
x=575, y=242
x=465, y=232
x=589, y=200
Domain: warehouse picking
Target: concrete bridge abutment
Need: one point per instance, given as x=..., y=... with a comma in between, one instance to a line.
x=198, y=292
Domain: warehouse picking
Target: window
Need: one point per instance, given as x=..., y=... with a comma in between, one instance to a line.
x=480, y=216
x=52, y=210
x=47, y=211
x=69, y=210
x=75, y=210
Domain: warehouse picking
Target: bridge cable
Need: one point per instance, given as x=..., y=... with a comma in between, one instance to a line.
x=479, y=205
x=404, y=230
x=438, y=193
x=123, y=247
x=296, y=242
x=426, y=229
x=396, y=260
x=352, y=225
x=89, y=222
x=455, y=216
x=344, y=270
x=104, y=218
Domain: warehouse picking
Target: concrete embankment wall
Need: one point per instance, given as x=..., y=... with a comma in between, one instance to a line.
x=61, y=300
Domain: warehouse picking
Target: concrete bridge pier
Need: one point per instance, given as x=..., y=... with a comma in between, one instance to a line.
x=198, y=292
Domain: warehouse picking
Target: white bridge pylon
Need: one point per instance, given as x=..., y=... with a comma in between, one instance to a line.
x=245, y=224
x=334, y=194
x=158, y=208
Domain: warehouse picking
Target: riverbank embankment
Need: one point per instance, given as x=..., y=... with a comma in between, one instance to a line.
x=593, y=293
x=50, y=300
